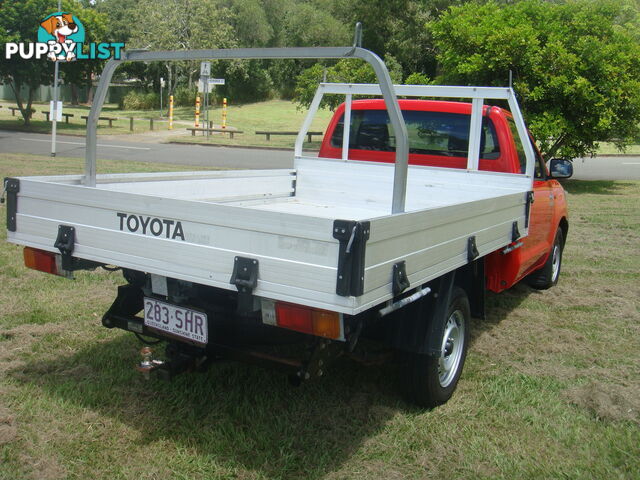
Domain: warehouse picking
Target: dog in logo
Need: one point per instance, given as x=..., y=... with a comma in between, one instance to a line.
x=60, y=27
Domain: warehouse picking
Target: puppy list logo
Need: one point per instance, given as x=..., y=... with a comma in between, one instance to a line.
x=61, y=38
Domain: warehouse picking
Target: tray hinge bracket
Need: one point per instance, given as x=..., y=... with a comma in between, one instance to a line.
x=529, y=199
x=472, y=249
x=400, y=280
x=12, y=187
x=515, y=233
x=245, y=278
x=353, y=238
x=65, y=242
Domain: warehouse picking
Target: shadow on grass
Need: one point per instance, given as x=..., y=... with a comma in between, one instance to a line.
x=234, y=416
x=594, y=187
x=239, y=416
x=498, y=307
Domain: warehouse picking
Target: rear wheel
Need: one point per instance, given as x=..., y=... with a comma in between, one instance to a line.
x=430, y=380
x=549, y=274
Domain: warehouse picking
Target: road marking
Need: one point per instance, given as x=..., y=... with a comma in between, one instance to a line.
x=631, y=163
x=80, y=143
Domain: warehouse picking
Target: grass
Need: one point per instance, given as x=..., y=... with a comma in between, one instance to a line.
x=610, y=149
x=77, y=125
x=550, y=388
x=272, y=115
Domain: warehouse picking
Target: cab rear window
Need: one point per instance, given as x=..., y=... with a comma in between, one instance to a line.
x=430, y=133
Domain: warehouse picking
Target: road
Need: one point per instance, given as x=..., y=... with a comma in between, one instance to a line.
x=607, y=167
x=119, y=148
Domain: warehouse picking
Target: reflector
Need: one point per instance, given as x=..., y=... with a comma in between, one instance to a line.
x=294, y=317
x=326, y=324
x=321, y=323
x=40, y=260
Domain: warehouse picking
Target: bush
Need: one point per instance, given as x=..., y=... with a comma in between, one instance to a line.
x=417, y=79
x=184, y=96
x=136, y=100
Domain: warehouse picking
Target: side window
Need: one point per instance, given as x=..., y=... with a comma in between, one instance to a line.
x=430, y=133
x=369, y=131
x=522, y=158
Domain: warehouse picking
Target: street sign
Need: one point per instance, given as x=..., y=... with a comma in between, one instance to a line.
x=205, y=69
x=212, y=82
x=58, y=111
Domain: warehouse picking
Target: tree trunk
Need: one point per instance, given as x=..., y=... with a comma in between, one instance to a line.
x=25, y=112
x=74, y=94
x=555, y=147
x=90, y=95
x=91, y=90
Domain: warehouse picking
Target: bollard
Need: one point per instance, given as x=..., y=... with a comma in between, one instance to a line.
x=197, y=112
x=170, y=112
x=151, y=124
x=131, y=124
x=224, y=113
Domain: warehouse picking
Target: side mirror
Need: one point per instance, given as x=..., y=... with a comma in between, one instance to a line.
x=560, y=168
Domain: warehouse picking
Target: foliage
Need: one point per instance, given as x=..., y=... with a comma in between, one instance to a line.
x=417, y=79
x=576, y=65
x=396, y=27
x=82, y=72
x=344, y=71
x=184, y=96
x=137, y=100
x=19, y=23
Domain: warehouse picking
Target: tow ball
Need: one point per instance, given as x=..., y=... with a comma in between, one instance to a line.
x=148, y=363
x=178, y=362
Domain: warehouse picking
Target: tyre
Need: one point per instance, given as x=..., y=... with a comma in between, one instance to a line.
x=549, y=274
x=428, y=380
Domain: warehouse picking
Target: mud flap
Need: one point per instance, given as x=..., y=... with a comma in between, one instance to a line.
x=420, y=326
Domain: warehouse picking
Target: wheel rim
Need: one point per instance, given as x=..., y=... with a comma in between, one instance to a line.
x=452, y=347
x=555, y=262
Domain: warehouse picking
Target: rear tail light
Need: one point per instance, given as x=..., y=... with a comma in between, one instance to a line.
x=321, y=323
x=42, y=261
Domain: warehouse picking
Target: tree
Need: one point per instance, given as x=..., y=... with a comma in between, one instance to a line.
x=395, y=27
x=575, y=64
x=344, y=71
x=19, y=23
x=81, y=72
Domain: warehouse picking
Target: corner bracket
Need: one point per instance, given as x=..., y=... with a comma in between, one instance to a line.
x=472, y=249
x=245, y=278
x=12, y=187
x=400, y=280
x=529, y=199
x=353, y=238
x=515, y=233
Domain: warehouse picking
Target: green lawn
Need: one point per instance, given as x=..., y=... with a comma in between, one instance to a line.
x=77, y=125
x=611, y=149
x=551, y=388
x=272, y=115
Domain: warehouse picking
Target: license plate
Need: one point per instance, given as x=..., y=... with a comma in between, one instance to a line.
x=177, y=321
